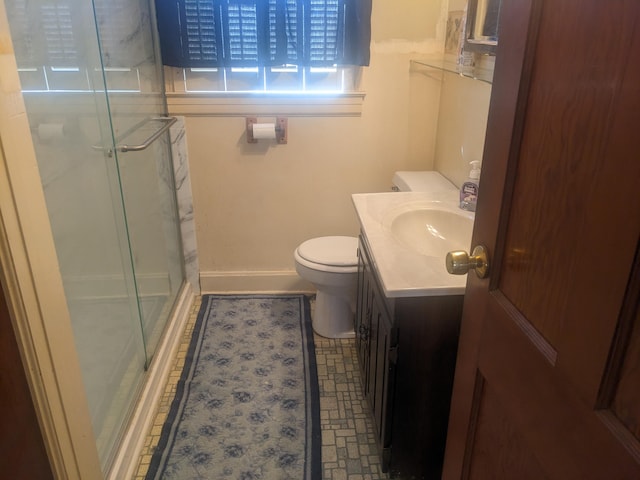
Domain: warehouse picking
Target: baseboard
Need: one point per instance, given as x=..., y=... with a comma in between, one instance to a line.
x=126, y=459
x=279, y=281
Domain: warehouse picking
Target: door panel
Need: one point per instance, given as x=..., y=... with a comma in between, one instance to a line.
x=626, y=402
x=575, y=88
x=22, y=449
x=547, y=381
x=134, y=87
x=565, y=433
x=493, y=428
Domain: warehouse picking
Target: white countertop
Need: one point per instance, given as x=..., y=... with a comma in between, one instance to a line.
x=402, y=271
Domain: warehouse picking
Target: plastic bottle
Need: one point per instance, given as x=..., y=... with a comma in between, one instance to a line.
x=469, y=189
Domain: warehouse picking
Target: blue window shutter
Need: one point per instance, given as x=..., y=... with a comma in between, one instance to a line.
x=325, y=22
x=200, y=30
x=285, y=42
x=223, y=33
x=242, y=32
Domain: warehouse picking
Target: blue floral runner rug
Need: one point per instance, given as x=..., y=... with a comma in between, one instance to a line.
x=247, y=403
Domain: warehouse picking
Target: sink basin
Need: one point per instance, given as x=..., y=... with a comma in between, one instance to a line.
x=409, y=235
x=430, y=229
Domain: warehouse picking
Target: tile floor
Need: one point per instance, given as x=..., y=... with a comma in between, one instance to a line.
x=349, y=449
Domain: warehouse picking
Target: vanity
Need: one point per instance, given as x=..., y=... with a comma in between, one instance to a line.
x=407, y=322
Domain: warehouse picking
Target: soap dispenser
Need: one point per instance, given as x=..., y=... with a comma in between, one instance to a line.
x=469, y=189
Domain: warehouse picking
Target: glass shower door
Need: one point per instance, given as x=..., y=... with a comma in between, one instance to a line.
x=61, y=77
x=135, y=90
x=91, y=85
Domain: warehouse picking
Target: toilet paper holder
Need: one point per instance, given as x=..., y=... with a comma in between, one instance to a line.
x=280, y=129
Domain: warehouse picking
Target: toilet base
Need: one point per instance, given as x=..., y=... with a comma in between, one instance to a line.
x=333, y=316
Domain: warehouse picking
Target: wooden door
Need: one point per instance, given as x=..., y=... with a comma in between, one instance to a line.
x=547, y=382
x=22, y=450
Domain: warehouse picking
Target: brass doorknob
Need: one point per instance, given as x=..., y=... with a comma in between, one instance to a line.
x=459, y=262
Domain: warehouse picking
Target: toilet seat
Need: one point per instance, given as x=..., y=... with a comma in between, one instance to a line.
x=335, y=251
x=329, y=254
x=330, y=264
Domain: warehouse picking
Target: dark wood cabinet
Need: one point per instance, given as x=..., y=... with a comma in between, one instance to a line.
x=407, y=352
x=376, y=342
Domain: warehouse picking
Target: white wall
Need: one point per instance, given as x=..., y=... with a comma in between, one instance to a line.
x=255, y=203
x=464, y=104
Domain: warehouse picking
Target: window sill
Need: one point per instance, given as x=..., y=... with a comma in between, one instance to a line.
x=269, y=104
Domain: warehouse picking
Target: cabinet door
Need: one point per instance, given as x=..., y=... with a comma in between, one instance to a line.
x=370, y=392
x=384, y=374
x=360, y=310
x=372, y=341
x=376, y=342
x=363, y=316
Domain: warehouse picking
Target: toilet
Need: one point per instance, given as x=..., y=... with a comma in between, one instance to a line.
x=331, y=265
x=421, y=181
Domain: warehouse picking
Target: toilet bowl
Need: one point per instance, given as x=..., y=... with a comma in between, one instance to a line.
x=331, y=264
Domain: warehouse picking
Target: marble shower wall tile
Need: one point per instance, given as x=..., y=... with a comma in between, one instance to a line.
x=185, y=202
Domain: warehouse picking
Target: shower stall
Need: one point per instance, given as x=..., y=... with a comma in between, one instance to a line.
x=94, y=94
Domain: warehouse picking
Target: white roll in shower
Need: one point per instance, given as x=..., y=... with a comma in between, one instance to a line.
x=50, y=131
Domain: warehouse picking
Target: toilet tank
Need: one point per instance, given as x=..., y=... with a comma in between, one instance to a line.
x=421, y=181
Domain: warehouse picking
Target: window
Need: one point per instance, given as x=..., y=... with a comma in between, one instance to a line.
x=55, y=50
x=264, y=45
x=288, y=79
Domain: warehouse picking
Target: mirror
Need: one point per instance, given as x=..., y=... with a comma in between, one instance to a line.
x=482, y=26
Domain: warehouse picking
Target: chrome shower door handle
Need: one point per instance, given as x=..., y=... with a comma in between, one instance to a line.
x=152, y=138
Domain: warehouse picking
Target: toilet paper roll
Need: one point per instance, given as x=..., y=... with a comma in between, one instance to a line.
x=50, y=131
x=264, y=130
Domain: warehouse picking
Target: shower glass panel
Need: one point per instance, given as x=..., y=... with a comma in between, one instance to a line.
x=89, y=76
x=137, y=104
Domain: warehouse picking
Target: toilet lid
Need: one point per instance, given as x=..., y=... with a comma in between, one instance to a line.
x=337, y=251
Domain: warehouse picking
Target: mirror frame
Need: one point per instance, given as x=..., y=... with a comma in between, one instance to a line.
x=486, y=47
